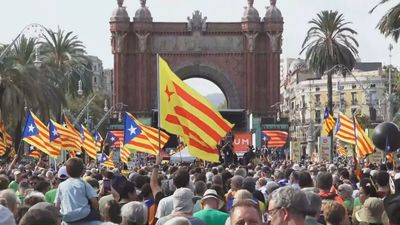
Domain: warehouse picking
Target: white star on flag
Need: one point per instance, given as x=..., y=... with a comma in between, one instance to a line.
x=55, y=133
x=132, y=130
x=31, y=128
x=112, y=139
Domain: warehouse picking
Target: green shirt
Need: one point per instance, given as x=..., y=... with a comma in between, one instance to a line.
x=13, y=185
x=211, y=216
x=51, y=195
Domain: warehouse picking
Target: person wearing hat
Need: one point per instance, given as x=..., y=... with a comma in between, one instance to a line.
x=62, y=175
x=182, y=200
x=371, y=211
x=210, y=213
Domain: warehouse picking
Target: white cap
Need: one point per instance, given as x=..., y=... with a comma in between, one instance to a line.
x=62, y=173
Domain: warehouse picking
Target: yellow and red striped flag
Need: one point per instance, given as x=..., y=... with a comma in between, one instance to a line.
x=34, y=153
x=7, y=139
x=345, y=129
x=3, y=148
x=124, y=154
x=142, y=138
x=328, y=123
x=72, y=154
x=37, y=134
x=363, y=144
x=71, y=140
x=340, y=149
x=88, y=143
x=186, y=113
x=107, y=161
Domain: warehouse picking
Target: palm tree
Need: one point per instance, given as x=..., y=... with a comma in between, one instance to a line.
x=389, y=24
x=64, y=53
x=329, y=42
x=25, y=86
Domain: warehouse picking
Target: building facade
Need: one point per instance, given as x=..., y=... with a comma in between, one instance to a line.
x=241, y=58
x=304, y=97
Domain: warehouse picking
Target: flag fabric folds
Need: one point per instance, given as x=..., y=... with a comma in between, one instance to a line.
x=344, y=129
x=98, y=140
x=3, y=148
x=328, y=123
x=274, y=138
x=88, y=143
x=5, y=136
x=34, y=153
x=186, y=113
x=70, y=137
x=362, y=142
x=37, y=134
x=124, y=154
x=107, y=161
x=142, y=138
x=114, y=138
x=340, y=149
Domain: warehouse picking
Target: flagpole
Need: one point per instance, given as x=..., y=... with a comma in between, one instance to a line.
x=159, y=104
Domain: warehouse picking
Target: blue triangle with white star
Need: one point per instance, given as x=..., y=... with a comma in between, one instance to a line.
x=97, y=137
x=53, y=132
x=103, y=158
x=82, y=133
x=111, y=138
x=131, y=129
x=30, y=128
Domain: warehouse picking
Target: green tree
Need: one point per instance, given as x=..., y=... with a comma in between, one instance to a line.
x=65, y=54
x=25, y=86
x=389, y=24
x=329, y=42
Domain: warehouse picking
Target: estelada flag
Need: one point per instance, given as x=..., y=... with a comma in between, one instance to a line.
x=98, y=140
x=142, y=138
x=71, y=140
x=88, y=143
x=328, y=123
x=4, y=135
x=345, y=129
x=274, y=138
x=107, y=161
x=37, y=134
x=124, y=154
x=34, y=153
x=363, y=144
x=186, y=113
x=3, y=148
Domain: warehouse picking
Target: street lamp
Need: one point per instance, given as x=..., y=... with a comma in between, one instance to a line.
x=80, y=90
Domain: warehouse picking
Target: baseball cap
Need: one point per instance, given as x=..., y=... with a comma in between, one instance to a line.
x=211, y=193
x=392, y=208
x=62, y=173
x=17, y=172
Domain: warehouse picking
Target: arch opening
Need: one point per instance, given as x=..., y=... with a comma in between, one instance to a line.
x=210, y=90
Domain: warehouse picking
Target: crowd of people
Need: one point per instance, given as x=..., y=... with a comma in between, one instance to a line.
x=277, y=192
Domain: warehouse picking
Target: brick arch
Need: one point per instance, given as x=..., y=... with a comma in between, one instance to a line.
x=219, y=78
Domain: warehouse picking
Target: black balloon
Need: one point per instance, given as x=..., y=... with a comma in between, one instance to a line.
x=386, y=132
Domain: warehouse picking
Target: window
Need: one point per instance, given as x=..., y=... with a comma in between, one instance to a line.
x=353, y=86
x=95, y=80
x=372, y=85
x=317, y=89
x=354, y=98
x=317, y=98
x=303, y=101
x=318, y=116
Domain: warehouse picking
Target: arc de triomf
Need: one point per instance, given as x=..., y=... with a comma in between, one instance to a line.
x=242, y=58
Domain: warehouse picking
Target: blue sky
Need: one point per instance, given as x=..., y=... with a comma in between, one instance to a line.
x=89, y=20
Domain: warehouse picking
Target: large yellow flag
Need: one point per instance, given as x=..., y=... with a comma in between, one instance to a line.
x=186, y=113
